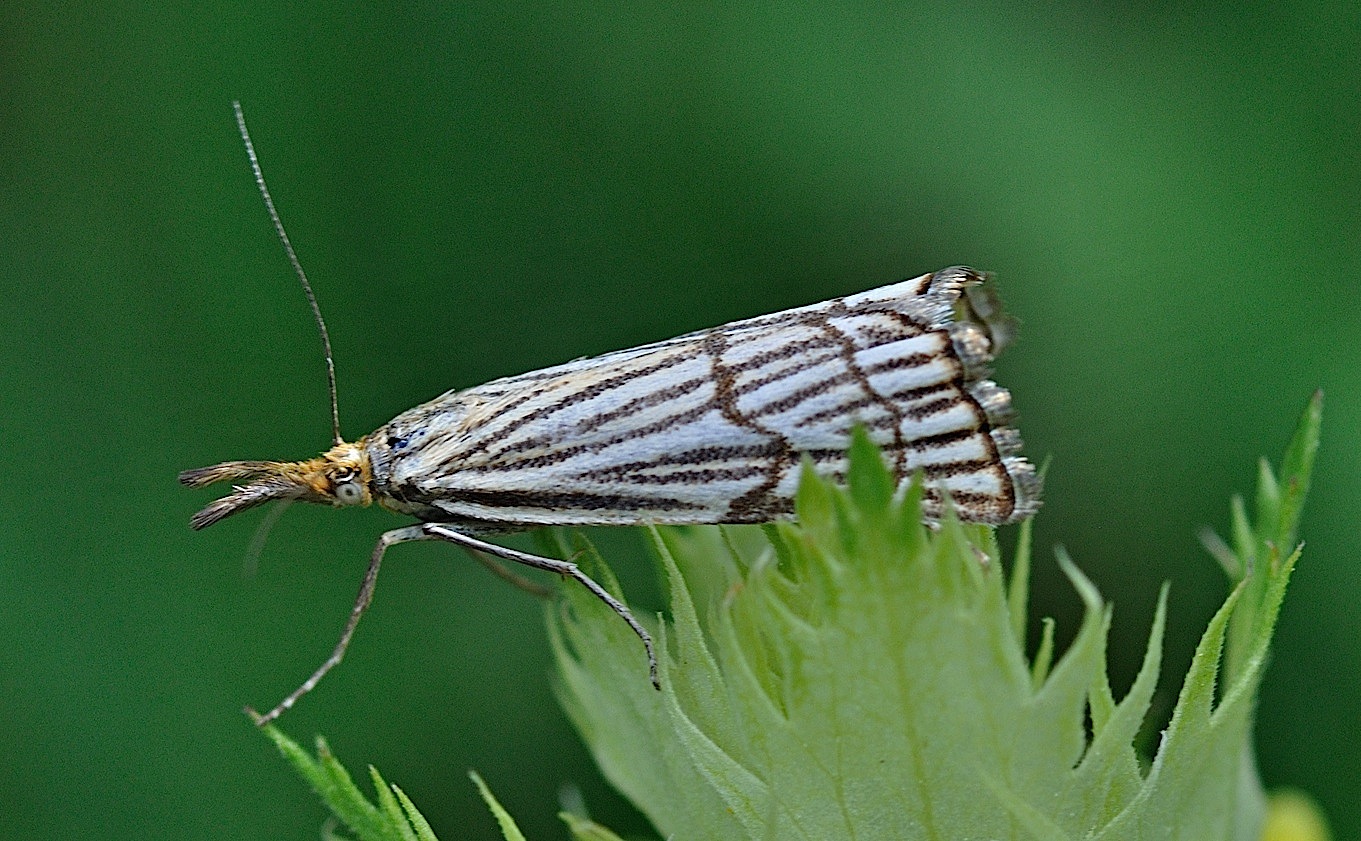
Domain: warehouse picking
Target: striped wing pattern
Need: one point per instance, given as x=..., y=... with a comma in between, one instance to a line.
x=711, y=427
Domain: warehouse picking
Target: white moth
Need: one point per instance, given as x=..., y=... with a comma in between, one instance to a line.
x=710, y=427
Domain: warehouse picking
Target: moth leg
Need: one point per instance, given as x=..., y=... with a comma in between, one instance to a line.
x=566, y=568
x=501, y=571
x=361, y=604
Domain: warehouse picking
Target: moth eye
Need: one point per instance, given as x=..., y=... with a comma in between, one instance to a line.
x=349, y=493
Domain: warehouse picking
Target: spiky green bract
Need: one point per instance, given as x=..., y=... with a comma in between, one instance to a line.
x=509, y=830
x=1259, y=547
x=860, y=676
x=1259, y=562
x=393, y=818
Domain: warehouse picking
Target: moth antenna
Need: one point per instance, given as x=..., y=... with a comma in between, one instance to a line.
x=297, y=269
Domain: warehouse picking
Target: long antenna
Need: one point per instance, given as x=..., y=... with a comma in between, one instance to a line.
x=297, y=269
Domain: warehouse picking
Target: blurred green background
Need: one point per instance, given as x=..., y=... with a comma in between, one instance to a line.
x=1168, y=192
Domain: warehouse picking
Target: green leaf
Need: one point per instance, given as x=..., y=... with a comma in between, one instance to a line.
x=1261, y=544
x=387, y=802
x=423, y=830
x=814, y=501
x=871, y=484
x=385, y=821
x=1018, y=594
x=509, y=830
x=864, y=677
x=1297, y=468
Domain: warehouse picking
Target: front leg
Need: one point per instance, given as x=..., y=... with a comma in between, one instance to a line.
x=440, y=531
x=566, y=568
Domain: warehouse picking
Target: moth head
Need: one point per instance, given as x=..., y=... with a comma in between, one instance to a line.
x=339, y=477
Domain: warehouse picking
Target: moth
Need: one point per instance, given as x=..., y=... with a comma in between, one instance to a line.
x=708, y=427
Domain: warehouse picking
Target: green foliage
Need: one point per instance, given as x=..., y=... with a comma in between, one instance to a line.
x=509, y=830
x=393, y=818
x=860, y=675
x=1279, y=504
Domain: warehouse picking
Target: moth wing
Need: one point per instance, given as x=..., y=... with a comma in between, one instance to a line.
x=712, y=426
